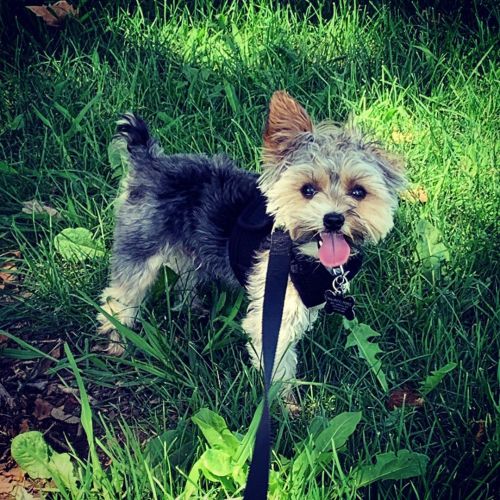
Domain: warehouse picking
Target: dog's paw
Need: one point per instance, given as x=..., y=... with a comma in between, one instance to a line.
x=111, y=344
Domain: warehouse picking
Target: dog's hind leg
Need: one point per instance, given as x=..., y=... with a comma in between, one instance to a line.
x=130, y=280
x=187, y=283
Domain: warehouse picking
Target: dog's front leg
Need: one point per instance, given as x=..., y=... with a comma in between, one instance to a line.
x=295, y=321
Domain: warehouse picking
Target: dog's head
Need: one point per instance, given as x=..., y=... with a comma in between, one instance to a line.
x=326, y=185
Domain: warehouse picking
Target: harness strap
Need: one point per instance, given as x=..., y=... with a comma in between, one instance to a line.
x=274, y=298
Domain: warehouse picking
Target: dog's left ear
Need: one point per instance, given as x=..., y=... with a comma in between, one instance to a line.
x=287, y=121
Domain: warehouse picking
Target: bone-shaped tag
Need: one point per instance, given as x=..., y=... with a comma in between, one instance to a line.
x=339, y=304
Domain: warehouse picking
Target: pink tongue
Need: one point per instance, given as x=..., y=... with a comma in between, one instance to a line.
x=334, y=250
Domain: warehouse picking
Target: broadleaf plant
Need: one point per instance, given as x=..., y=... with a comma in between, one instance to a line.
x=215, y=430
x=317, y=451
x=431, y=252
x=219, y=463
x=359, y=337
x=403, y=465
x=431, y=381
x=226, y=459
x=77, y=244
x=31, y=453
x=34, y=455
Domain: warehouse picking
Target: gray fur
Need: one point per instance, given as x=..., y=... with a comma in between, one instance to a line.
x=184, y=202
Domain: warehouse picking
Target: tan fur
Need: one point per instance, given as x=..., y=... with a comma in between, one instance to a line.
x=122, y=298
x=287, y=119
x=295, y=321
x=335, y=160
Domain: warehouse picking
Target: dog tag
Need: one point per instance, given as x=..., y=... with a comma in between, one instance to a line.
x=337, y=303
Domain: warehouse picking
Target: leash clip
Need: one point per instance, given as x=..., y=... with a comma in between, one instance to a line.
x=336, y=298
x=340, y=283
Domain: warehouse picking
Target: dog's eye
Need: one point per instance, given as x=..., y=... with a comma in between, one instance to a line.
x=308, y=190
x=358, y=192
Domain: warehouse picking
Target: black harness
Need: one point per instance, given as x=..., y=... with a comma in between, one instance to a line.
x=251, y=234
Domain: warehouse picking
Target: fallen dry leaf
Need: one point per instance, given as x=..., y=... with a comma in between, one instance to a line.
x=42, y=409
x=480, y=431
x=16, y=473
x=8, y=269
x=404, y=397
x=8, y=275
x=68, y=390
x=24, y=426
x=416, y=194
x=12, y=485
x=21, y=494
x=59, y=414
x=6, y=485
x=55, y=352
x=55, y=14
x=35, y=207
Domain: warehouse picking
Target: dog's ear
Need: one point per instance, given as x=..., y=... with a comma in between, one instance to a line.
x=287, y=121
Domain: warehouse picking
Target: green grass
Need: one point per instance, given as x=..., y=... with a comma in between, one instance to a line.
x=424, y=84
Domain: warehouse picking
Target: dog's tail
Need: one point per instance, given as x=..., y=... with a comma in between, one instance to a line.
x=133, y=130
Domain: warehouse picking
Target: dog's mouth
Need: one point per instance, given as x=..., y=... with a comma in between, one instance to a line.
x=334, y=250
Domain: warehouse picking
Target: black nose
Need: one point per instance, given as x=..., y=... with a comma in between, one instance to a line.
x=333, y=221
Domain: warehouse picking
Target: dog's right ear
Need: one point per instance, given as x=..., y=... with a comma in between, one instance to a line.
x=287, y=121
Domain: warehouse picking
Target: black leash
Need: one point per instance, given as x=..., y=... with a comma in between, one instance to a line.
x=274, y=298
x=336, y=301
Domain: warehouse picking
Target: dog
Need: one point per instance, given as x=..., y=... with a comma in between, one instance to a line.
x=327, y=186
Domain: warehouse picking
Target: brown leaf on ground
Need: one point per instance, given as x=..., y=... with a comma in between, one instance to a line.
x=6, y=485
x=42, y=409
x=415, y=195
x=10, y=278
x=8, y=269
x=35, y=207
x=55, y=14
x=479, y=431
x=8, y=274
x=24, y=426
x=56, y=351
x=21, y=494
x=9, y=481
x=59, y=414
x=16, y=473
x=405, y=396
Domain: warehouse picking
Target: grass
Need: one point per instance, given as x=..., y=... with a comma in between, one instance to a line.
x=424, y=84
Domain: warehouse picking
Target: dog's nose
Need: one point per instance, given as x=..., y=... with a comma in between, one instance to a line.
x=333, y=221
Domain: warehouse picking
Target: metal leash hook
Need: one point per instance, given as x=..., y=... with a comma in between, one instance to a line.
x=340, y=283
x=336, y=298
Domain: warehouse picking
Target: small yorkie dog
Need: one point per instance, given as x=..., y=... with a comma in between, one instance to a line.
x=207, y=220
